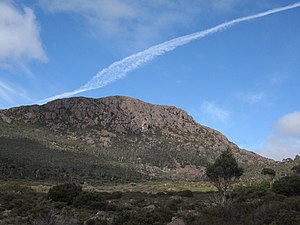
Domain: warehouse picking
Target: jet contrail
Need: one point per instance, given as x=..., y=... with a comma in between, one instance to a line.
x=121, y=68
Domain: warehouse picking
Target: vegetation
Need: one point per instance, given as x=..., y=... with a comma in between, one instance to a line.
x=296, y=169
x=139, y=176
x=44, y=163
x=224, y=173
x=64, y=192
x=289, y=186
x=247, y=205
x=270, y=173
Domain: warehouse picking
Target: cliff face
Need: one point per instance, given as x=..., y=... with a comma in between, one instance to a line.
x=155, y=140
x=121, y=114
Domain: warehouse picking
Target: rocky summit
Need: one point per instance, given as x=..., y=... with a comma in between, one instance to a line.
x=113, y=138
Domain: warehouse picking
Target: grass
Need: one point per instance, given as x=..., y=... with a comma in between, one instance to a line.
x=155, y=187
x=147, y=187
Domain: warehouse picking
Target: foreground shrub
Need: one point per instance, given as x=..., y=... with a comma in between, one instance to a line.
x=186, y=193
x=64, y=192
x=289, y=186
x=139, y=218
x=277, y=213
x=113, y=195
x=247, y=193
x=90, y=200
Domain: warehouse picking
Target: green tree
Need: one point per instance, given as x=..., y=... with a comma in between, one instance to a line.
x=224, y=172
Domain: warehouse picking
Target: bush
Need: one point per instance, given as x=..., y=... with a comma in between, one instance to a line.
x=95, y=221
x=64, y=192
x=113, y=195
x=296, y=169
x=289, y=186
x=111, y=207
x=186, y=193
x=121, y=218
x=288, y=217
x=249, y=193
x=139, y=218
x=90, y=200
x=277, y=212
x=174, y=205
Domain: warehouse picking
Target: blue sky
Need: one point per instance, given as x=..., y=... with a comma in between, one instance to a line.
x=243, y=81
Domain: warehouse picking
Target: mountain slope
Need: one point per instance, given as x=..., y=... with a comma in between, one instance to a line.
x=138, y=139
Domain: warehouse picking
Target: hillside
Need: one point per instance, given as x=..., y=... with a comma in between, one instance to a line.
x=111, y=139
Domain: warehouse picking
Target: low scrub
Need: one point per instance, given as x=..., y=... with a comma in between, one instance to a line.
x=90, y=200
x=64, y=192
x=289, y=186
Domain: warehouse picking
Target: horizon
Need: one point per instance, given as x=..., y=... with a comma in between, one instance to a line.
x=242, y=81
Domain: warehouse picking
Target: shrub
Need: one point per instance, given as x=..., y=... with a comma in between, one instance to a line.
x=174, y=205
x=90, y=200
x=95, y=221
x=287, y=217
x=186, y=193
x=111, y=207
x=121, y=218
x=113, y=195
x=289, y=186
x=139, y=218
x=296, y=169
x=64, y=192
x=277, y=212
x=268, y=171
x=249, y=193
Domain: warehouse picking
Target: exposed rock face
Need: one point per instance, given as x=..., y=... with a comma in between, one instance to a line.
x=117, y=114
x=121, y=114
x=157, y=139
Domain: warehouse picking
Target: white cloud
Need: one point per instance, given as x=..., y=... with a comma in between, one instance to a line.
x=285, y=140
x=19, y=36
x=289, y=125
x=255, y=98
x=251, y=98
x=214, y=112
x=280, y=147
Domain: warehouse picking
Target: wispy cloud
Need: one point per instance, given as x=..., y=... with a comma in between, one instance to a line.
x=251, y=98
x=135, y=20
x=285, y=140
x=11, y=95
x=121, y=68
x=210, y=111
x=278, y=79
x=6, y=92
x=19, y=39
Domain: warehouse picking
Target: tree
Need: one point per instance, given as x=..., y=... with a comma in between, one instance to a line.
x=224, y=172
x=289, y=186
x=270, y=173
x=296, y=169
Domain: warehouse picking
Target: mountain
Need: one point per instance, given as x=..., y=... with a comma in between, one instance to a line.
x=110, y=139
